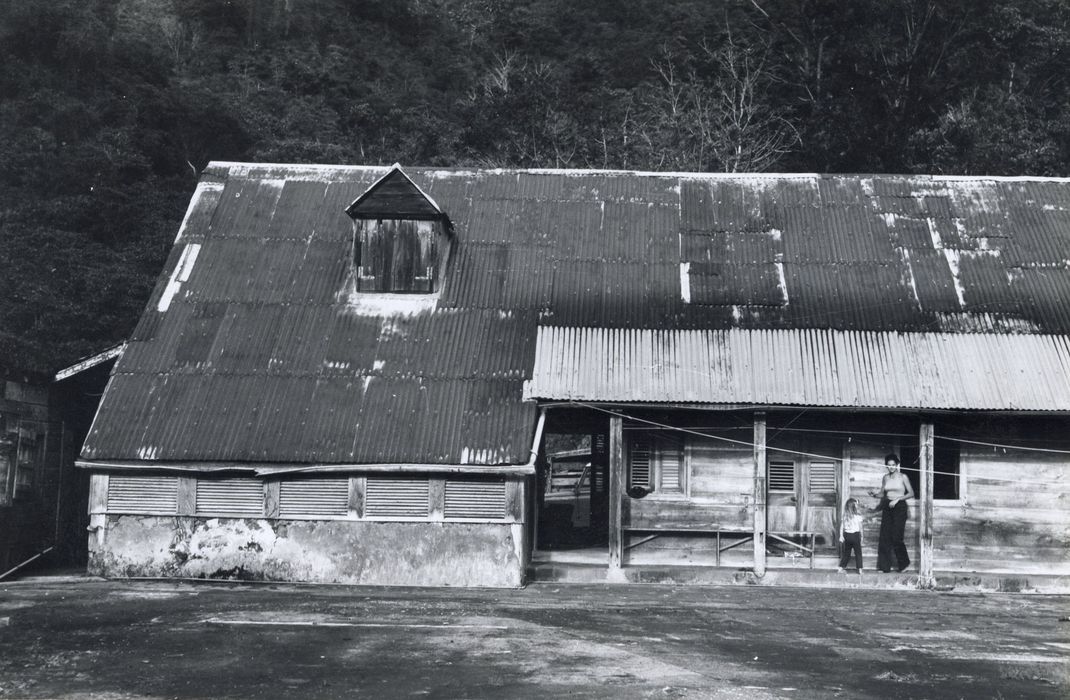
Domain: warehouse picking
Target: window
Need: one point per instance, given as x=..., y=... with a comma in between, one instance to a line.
x=143, y=494
x=400, y=236
x=395, y=255
x=230, y=497
x=781, y=477
x=656, y=463
x=947, y=474
x=390, y=497
x=946, y=470
x=29, y=457
x=9, y=441
x=309, y=498
x=822, y=477
x=472, y=499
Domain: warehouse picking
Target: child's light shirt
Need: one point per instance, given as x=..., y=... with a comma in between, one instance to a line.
x=852, y=523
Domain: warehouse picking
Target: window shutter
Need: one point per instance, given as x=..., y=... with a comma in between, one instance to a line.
x=671, y=463
x=313, y=497
x=475, y=499
x=640, y=462
x=599, y=457
x=143, y=494
x=233, y=497
x=374, y=255
x=426, y=256
x=396, y=498
x=822, y=477
x=782, y=477
x=405, y=259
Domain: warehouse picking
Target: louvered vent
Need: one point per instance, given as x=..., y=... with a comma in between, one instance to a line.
x=234, y=497
x=313, y=497
x=782, y=477
x=475, y=499
x=396, y=498
x=143, y=494
x=822, y=477
x=640, y=462
x=671, y=463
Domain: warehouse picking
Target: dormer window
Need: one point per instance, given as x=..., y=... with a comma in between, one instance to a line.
x=400, y=237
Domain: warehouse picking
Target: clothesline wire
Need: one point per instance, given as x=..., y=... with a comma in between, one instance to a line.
x=751, y=445
x=852, y=433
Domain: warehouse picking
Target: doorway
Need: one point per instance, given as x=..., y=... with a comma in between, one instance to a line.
x=802, y=490
x=573, y=493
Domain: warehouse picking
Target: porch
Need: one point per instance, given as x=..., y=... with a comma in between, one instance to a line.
x=699, y=495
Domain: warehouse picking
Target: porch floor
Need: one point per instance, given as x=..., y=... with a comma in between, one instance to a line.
x=592, y=566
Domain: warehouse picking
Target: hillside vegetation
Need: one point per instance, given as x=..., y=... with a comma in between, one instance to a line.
x=110, y=108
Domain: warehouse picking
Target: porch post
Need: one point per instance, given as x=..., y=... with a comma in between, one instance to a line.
x=616, y=490
x=925, y=512
x=759, y=493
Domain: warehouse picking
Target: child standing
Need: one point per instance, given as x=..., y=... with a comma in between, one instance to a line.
x=851, y=534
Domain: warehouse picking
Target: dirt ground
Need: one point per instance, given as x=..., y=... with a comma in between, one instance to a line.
x=82, y=638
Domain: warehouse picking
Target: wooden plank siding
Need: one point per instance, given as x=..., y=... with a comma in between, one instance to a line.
x=1011, y=514
x=1015, y=515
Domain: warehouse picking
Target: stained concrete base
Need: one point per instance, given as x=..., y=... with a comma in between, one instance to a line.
x=560, y=572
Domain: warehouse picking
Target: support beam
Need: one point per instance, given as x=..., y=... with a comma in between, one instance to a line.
x=925, y=511
x=616, y=490
x=759, y=494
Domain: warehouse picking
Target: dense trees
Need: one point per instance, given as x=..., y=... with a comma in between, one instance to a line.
x=109, y=108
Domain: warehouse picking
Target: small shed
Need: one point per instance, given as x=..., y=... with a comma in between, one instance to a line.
x=43, y=421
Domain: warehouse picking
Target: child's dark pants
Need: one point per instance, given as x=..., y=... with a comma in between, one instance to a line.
x=852, y=541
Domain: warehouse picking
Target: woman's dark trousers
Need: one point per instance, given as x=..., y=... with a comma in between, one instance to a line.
x=891, y=551
x=852, y=542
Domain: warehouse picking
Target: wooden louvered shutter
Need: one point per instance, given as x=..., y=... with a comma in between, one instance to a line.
x=640, y=462
x=302, y=498
x=156, y=495
x=231, y=497
x=375, y=240
x=426, y=258
x=405, y=258
x=781, y=477
x=822, y=477
x=670, y=466
x=474, y=499
x=396, y=497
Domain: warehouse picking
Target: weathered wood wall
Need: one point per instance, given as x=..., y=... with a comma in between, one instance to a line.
x=28, y=517
x=1014, y=512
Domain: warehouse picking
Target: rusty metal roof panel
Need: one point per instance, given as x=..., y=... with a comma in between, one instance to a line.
x=1047, y=291
x=256, y=346
x=916, y=371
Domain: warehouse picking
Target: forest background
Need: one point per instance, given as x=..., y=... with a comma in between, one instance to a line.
x=109, y=109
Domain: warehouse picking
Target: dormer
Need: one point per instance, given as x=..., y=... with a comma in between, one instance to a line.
x=401, y=237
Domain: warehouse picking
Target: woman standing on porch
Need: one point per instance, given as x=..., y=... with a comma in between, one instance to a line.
x=895, y=490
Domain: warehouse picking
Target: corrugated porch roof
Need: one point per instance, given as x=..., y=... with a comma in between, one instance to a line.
x=936, y=371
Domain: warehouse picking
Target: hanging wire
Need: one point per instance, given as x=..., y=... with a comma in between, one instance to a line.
x=745, y=443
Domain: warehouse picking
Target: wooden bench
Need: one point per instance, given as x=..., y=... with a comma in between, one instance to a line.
x=741, y=535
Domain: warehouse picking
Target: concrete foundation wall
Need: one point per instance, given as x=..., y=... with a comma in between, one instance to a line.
x=338, y=551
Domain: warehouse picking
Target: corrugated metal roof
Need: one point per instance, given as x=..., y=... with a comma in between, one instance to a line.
x=979, y=371
x=266, y=353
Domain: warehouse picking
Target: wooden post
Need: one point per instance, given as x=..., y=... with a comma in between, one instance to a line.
x=759, y=494
x=616, y=490
x=187, y=495
x=437, y=495
x=925, y=511
x=272, y=494
x=98, y=508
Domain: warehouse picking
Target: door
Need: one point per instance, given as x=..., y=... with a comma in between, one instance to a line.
x=802, y=482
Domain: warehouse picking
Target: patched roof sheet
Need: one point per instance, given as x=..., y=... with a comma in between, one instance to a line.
x=253, y=348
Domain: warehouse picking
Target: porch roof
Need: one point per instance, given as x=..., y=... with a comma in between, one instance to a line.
x=829, y=368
